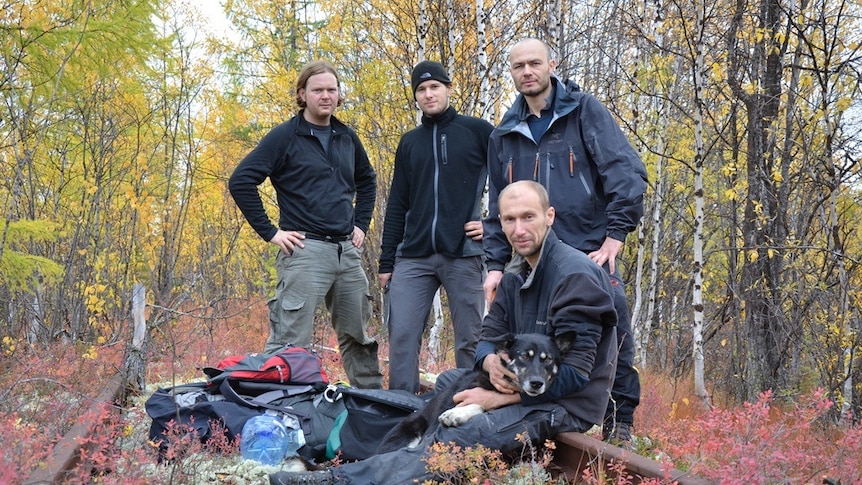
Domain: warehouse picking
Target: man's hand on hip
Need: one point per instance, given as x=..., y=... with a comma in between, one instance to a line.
x=474, y=230
x=288, y=241
x=358, y=237
x=384, y=279
x=607, y=253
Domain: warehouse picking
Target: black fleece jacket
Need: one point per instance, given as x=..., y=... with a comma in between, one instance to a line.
x=315, y=188
x=439, y=177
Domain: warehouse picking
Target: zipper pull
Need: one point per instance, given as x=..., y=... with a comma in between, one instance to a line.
x=536, y=168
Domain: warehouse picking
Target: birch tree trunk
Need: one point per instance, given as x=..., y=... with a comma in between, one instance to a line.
x=421, y=38
x=484, y=90
x=434, y=333
x=658, y=192
x=637, y=334
x=482, y=58
x=655, y=107
x=450, y=38
x=136, y=362
x=697, y=294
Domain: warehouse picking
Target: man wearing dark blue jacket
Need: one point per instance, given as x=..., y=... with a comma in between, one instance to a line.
x=326, y=188
x=568, y=141
x=432, y=233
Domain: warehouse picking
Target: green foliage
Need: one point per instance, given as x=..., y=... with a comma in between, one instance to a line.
x=19, y=270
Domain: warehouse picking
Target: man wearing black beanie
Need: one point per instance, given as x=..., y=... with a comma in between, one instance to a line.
x=426, y=71
x=432, y=234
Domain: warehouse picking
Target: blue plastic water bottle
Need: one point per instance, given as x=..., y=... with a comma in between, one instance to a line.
x=265, y=439
x=295, y=441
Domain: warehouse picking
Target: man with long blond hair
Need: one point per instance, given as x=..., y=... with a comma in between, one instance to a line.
x=326, y=188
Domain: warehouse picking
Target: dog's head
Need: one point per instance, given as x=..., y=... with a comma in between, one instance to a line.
x=536, y=358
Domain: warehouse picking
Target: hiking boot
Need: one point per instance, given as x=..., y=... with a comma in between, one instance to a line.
x=295, y=478
x=618, y=434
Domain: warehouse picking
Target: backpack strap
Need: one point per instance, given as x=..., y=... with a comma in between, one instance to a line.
x=266, y=399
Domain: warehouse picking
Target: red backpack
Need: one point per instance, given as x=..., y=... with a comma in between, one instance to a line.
x=289, y=365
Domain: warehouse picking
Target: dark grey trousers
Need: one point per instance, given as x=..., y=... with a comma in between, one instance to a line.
x=626, y=393
x=411, y=292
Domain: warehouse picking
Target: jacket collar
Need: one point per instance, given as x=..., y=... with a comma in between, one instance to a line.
x=442, y=119
x=529, y=274
x=563, y=100
x=303, y=127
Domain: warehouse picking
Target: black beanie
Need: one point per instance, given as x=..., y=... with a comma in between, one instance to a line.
x=427, y=70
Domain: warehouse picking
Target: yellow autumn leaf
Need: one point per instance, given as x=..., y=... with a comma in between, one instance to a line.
x=752, y=255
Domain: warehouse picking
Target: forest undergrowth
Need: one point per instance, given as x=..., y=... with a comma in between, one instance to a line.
x=45, y=391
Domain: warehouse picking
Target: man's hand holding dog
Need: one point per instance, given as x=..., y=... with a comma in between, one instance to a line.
x=485, y=398
x=504, y=380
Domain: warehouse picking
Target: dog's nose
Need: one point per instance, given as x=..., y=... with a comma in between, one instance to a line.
x=536, y=385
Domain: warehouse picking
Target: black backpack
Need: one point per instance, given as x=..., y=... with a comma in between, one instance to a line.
x=241, y=387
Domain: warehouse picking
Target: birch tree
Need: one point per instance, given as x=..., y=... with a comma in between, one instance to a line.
x=699, y=153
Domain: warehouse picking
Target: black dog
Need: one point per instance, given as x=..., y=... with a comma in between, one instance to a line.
x=534, y=358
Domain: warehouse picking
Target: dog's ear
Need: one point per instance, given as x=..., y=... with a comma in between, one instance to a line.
x=565, y=340
x=508, y=341
x=503, y=342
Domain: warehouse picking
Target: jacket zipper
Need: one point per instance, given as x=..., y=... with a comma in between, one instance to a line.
x=572, y=163
x=437, y=157
x=536, y=168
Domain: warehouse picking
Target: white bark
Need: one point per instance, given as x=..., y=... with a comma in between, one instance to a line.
x=135, y=365
x=450, y=15
x=482, y=58
x=655, y=106
x=421, y=38
x=697, y=294
x=434, y=334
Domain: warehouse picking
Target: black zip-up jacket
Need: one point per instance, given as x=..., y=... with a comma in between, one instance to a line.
x=566, y=291
x=315, y=189
x=594, y=177
x=437, y=185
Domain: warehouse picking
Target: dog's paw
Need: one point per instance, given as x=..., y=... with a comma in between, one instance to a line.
x=460, y=414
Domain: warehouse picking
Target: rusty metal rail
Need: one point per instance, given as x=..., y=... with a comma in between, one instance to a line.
x=577, y=452
x=67, y=451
